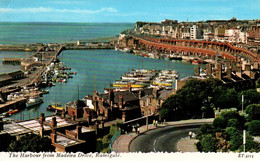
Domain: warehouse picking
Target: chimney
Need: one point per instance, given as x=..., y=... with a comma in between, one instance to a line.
x=41, y=130
x=1, y=124
x=79, y=131
x=102, y=124
x=96, y=127
x=209, y=69
x=248, y=69
x=229, y=70
x=219, y=71
x=256, y=65
x=53, y=137
x=95, y=104
x=53, y=122
x=73, y=118
x=42, y=118
x=155, y=93
x=239, y=70
x=123, y=116
x=63, y=113
x=120, y=101
x=111, y=96
x=140, y=94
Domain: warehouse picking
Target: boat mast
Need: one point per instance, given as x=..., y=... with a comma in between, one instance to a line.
x=95, y=82
x=78, y=92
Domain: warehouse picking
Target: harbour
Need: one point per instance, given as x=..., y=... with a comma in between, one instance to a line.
x=104, y=66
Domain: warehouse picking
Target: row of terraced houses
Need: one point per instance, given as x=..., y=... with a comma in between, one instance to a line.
x=238, y=31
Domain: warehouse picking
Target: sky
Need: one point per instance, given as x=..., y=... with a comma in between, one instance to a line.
x=126, y=10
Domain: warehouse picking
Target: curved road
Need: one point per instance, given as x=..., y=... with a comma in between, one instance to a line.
x=161, y=139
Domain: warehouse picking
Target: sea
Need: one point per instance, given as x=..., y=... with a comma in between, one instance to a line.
x=96, y=69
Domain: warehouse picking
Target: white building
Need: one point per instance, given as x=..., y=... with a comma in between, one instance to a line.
x=235, y=35
x=195, y=33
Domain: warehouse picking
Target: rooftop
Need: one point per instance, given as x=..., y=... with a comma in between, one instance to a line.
x=28, y=126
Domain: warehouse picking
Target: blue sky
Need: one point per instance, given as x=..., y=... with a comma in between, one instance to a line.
x=126, y=10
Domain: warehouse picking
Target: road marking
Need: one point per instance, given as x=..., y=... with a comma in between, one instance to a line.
x=154, y=145
x=154, y=142
x=161, y=136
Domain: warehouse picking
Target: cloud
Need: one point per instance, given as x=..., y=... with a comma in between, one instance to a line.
x=66, y=2
x=48, y=9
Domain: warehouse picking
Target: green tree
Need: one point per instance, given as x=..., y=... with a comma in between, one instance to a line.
x=258, y=83
x=251, y=96
x=208, y=143
x=235, y=138
x=234, y=123
x=103, y=143
x=32, y=143
x=220, y=122
x=189, y=100
x=254, y=127
x=253, y=112
x=204, y=130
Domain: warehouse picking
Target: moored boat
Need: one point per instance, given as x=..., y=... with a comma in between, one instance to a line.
x=34, y=100
x=10, y=112
x=55, y=107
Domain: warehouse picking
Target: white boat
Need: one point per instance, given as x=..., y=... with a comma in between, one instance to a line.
x=34, y=100
x=126, y=50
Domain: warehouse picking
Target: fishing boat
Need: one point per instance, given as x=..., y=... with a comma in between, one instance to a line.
x=138, y=85
x=10, y=112
x=125, y=50
x=195, y=61
x=120, y=84
x=34, y=100
x=27, y=49
x=45, y=91
x=55, y=107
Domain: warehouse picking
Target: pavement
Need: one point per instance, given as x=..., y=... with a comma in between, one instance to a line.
x=121, y=144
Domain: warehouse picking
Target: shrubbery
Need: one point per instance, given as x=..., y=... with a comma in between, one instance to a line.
x=254, y=127
x=226, y=134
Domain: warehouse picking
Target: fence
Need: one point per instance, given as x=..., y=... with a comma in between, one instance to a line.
x=114, y=137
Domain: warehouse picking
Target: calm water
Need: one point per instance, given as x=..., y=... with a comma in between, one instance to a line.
x=107, y=65
x=24, y=33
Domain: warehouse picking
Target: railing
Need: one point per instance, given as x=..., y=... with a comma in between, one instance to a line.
x=114, y=137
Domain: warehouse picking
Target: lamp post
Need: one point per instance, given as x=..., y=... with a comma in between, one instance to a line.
x=242, y=104
x=244, y=140
x=147, y=114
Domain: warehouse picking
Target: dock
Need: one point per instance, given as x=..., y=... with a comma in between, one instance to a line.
x=19, y=104
x=14, y=61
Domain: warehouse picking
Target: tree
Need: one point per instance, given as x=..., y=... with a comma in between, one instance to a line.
x=251, y=96
x=258, y=83
x=253, y=112
x=204, y=130
x=254, y=127
x=220, y=122
x=235, y=138
x=32, y=143
x=189, y=100
x=234, y=123
x=208, y=143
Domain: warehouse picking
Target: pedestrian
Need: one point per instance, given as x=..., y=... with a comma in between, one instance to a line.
x=138, y=130
x=156, y=122
x=190, y=134
x=153, y=122
x=193, y=135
